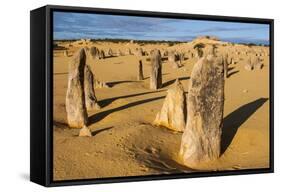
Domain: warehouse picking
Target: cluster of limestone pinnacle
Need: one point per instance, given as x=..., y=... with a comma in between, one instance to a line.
x=197, y=113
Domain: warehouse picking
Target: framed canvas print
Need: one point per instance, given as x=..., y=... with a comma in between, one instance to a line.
x=122, y=95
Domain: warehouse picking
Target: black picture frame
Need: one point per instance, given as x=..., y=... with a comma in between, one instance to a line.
x=41, y=94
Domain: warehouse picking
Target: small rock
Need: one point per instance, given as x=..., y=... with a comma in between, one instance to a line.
x=258, y=65
x=85, y=132
x=248, y=67
x=173, y=112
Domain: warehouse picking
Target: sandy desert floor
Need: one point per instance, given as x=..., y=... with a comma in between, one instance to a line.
x=124, y=141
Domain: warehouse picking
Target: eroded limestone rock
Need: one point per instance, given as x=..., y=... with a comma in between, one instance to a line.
x=173, y=113
x=90, y=96
x=201, y=140
x=85, y=132
x=76, y=110
x=156, y=71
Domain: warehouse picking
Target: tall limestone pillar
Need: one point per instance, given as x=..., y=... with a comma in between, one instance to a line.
x=156, y=70
x=201, y=140
x=77, y=115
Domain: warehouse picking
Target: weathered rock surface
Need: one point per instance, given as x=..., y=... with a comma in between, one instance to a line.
x=225, y=65
x=156, y=70
x=90, y=96
x=173, y=113
x=201, y=140
x=76, y=110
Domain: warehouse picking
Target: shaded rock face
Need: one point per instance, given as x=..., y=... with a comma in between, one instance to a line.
x=140, y=71
x=156, y=70
x=94, y=52
x=77, y=115
x=173, y=113
x=201, y=139
x=225, y=65
x=90, y=96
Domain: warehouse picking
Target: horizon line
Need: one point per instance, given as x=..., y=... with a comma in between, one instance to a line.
x=238, y=41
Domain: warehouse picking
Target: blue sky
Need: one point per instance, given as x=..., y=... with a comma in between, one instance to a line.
x=81, y=25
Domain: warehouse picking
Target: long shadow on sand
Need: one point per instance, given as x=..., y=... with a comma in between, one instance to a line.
x=234, y=120
x=232, y=73
x=109, y=56
x=148, y=77
x=100, y=130
x=172, y=81
x=106, y=102
x=61, y=73
x=112, y=84
x=101, y=115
